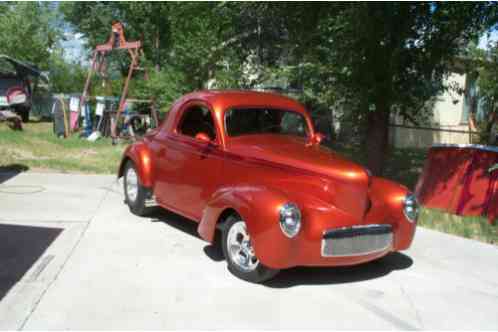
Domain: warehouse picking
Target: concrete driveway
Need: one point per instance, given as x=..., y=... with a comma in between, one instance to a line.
x=73, y=257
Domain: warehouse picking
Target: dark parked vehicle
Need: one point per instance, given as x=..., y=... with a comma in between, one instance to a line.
x=16, y=85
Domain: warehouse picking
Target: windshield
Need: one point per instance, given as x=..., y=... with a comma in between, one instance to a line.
x=250, y=121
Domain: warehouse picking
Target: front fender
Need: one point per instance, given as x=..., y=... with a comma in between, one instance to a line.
x=141, y=156
x=387, y=199
x=259, y=207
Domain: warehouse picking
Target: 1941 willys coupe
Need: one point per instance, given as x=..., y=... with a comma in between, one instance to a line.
x=251, y=164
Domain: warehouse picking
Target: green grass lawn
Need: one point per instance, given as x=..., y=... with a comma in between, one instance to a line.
x=404, y=166
x=476, y=228
x=37, y=148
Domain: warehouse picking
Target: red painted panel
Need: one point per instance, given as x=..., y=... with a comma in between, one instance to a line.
x=492, y=204
x=440, y=183
x=456, y=179
x=477, y=184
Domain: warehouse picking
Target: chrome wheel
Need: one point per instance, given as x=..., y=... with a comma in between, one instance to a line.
x=239, y=247
x=131, y=184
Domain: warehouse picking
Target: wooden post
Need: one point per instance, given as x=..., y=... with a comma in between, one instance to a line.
x=87, y=83
x=122, y=101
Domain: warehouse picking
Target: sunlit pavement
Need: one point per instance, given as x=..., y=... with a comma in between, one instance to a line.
x=73, y=257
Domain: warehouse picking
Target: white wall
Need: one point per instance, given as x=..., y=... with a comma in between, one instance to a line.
x=447, y=114
x=448, y=107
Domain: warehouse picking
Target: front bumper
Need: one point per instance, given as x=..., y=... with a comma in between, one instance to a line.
x=329, y=244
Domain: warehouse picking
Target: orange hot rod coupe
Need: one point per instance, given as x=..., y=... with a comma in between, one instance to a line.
x=251, y=165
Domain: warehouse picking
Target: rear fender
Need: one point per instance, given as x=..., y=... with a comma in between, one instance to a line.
x=141, y=156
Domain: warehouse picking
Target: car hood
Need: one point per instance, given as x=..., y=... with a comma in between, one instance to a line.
x=346, y=182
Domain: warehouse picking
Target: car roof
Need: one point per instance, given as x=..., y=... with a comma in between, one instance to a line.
x=225, y=99
x=21, y=68
x=222, y=100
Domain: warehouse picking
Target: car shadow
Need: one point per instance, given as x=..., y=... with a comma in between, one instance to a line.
x=7, y=172
x=340, y=275
x=174, y=220
x=299, y=275
x=185, y=225
x=20, y=248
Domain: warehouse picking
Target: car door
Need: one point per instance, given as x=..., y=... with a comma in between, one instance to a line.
x=188, y=170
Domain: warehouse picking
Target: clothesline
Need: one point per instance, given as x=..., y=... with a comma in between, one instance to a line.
x=104, y=98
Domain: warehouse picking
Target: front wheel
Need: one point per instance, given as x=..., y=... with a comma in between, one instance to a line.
x=239, y=253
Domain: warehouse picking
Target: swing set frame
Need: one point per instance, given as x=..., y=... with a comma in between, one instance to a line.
x=116, y=41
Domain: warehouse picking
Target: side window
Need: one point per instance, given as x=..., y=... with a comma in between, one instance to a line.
x=197, y=119
x=292, y=123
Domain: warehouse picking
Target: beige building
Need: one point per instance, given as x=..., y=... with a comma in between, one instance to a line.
x=449, y=123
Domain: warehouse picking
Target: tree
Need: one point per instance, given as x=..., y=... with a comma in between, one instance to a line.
x=389, y=57
x=65, y=77
x=28, y=31
x=185, y=42
x=376, y=59
x=484, y=65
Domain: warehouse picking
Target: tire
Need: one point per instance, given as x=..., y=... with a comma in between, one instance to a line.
x=135, y=193
x=23, y=112
x=242, y=263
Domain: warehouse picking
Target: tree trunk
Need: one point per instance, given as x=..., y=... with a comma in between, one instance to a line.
x=377, y=137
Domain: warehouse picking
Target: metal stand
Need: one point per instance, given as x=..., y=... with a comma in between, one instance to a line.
x=116, y=41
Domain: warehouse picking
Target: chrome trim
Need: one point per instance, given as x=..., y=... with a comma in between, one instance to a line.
x=151, y=202
x=389, y=241
x=239, y=247
x=417, y=207
x=131, y=180
x=281, y=222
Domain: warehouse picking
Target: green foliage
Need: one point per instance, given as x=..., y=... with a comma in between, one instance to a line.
x=394, y=53
x=389, y=57
x=65, y=77
x=476, y=228
x=372, y=59
x=33, y=32
x=484, y=64
x=28, y=31
x=164, y=86
x=37, y=147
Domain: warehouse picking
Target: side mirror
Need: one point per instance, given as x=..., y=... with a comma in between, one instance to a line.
x=316, y=139
x=204, y=138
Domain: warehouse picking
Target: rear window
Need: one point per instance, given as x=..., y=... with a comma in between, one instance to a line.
x=7, y=83
x=253, y=121
x=7, y=68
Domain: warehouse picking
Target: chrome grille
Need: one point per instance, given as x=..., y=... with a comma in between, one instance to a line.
x=356, y=240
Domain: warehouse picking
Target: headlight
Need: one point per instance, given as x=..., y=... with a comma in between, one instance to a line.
x=290, y=219
x=411, y=207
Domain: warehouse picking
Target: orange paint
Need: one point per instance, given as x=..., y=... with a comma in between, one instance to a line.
x=257, y=174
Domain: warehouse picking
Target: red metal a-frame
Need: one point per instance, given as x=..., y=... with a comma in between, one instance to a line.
x=116, y=41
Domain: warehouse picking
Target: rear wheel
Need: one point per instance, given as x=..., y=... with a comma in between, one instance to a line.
x=239, y=253
x=23, y=112
x=135, y=193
